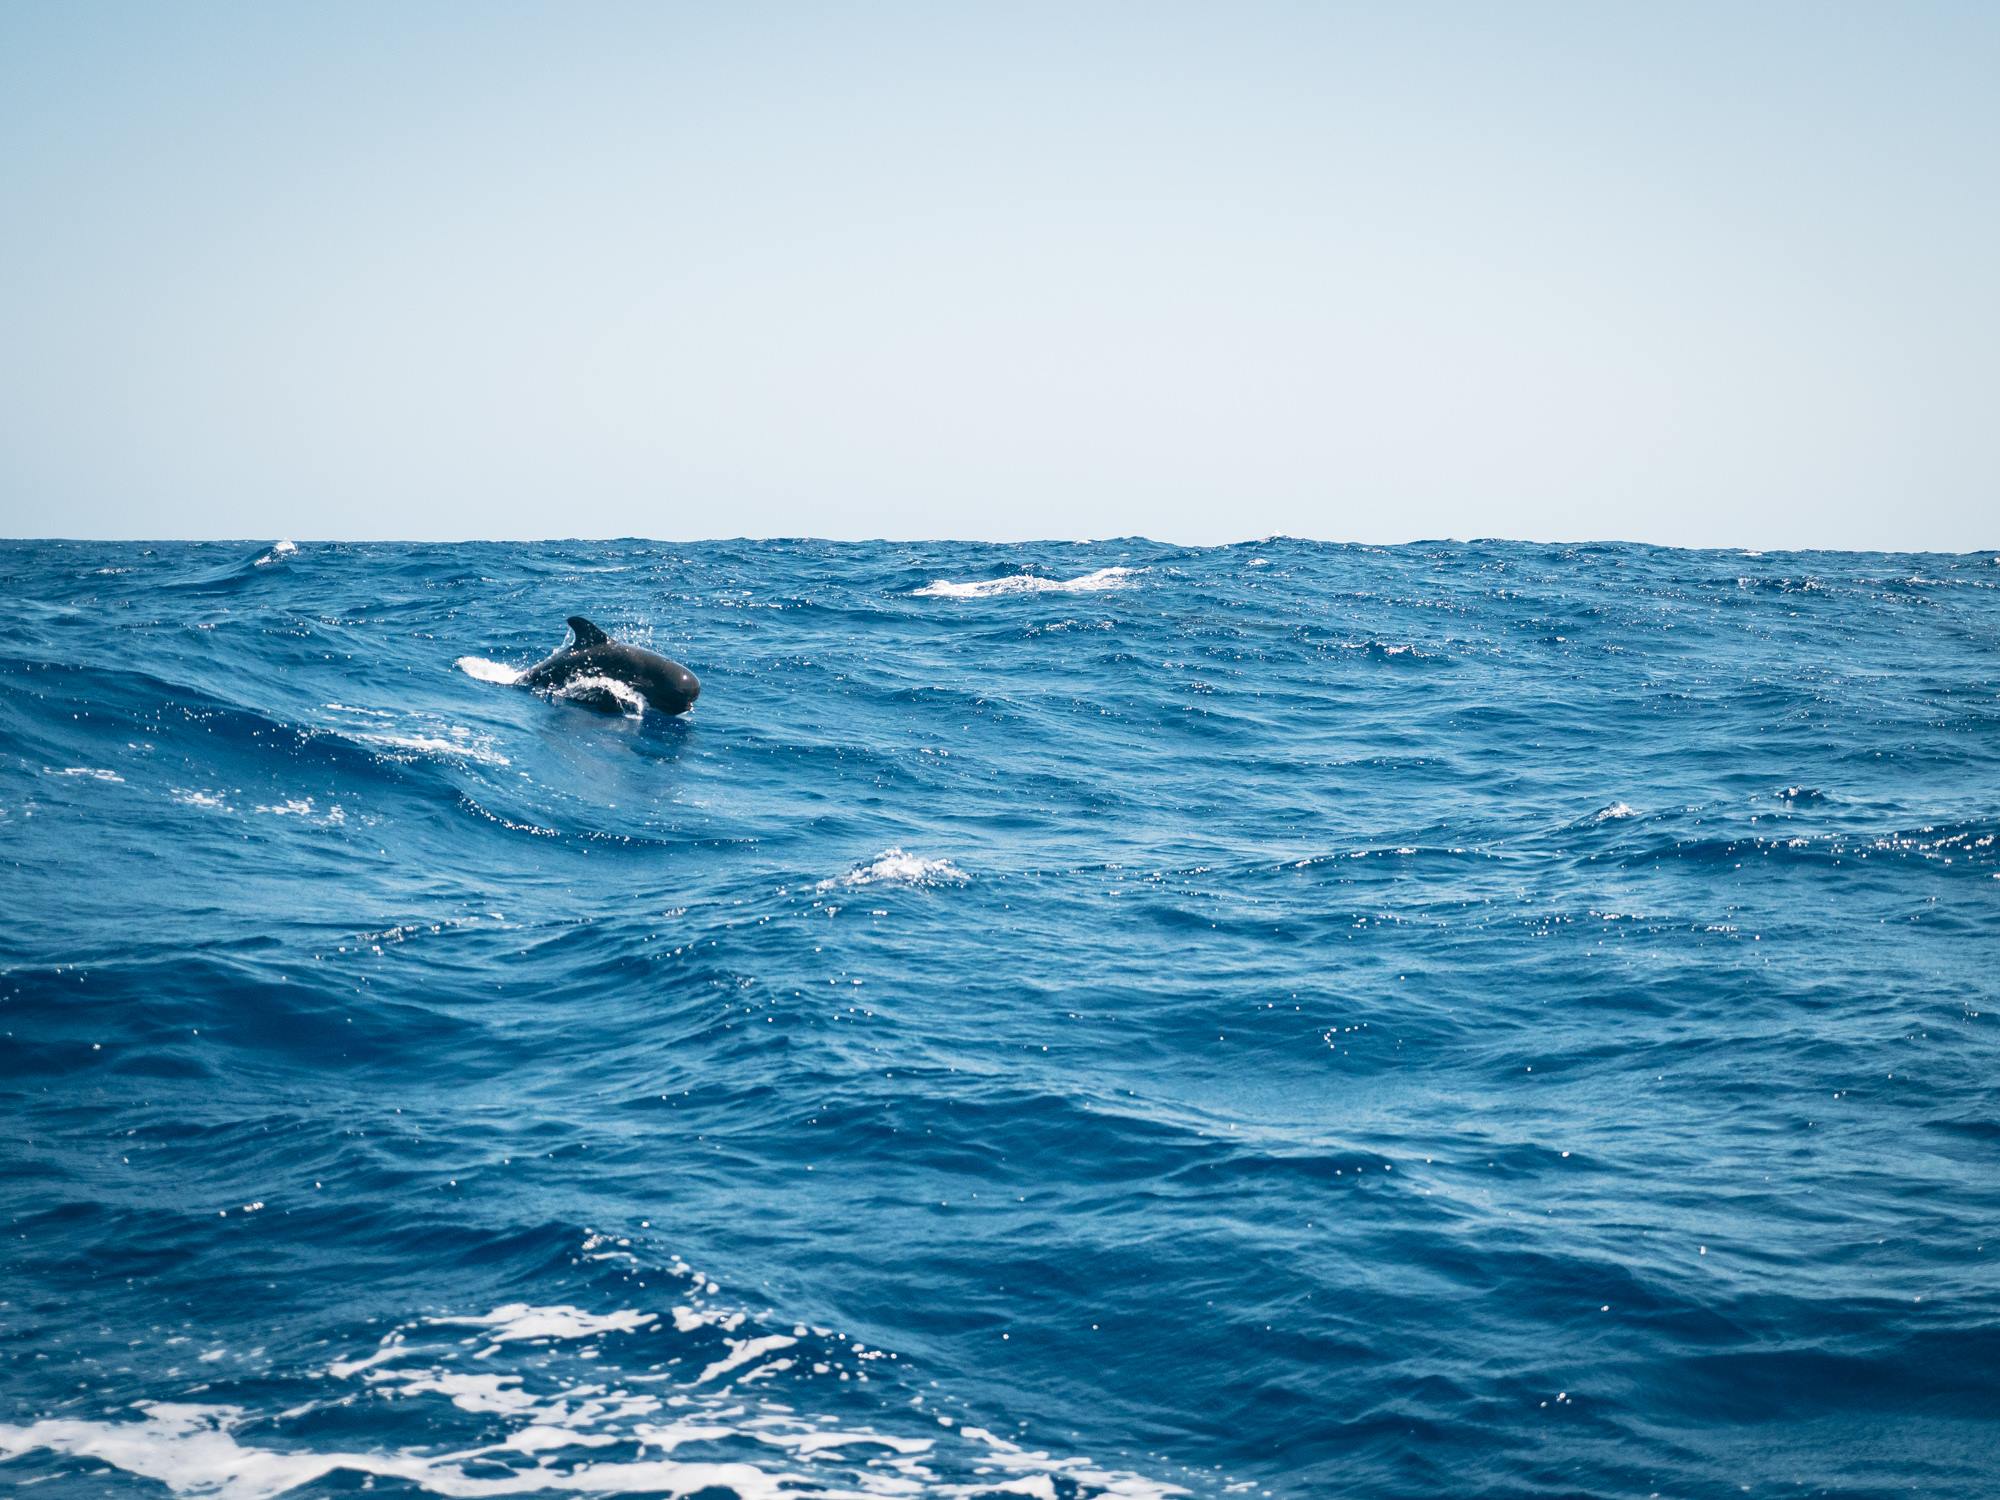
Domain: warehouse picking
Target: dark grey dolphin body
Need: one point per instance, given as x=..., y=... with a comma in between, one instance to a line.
x=665, y=685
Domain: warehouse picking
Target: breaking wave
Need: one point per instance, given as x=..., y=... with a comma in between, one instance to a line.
x=1098, y=582
x=898, y=867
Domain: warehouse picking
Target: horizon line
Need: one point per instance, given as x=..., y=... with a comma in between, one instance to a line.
x=271, y=540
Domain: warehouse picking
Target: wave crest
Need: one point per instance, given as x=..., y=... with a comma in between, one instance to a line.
x=1101, y=581
x=900, y=867
x=483, y=670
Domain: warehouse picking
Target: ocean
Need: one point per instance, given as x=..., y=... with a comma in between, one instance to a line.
x=1060, y=1020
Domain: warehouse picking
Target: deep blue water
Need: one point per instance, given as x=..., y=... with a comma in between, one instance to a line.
x=1284, y=1019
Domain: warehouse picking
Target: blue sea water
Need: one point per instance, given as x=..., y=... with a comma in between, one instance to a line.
x=1059, y=1020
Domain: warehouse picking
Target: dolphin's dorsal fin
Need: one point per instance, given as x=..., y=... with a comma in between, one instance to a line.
x=586, y=634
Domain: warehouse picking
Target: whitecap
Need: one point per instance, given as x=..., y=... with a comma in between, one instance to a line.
x=89, y=773
x=551, y=1422
x=899, y=867
x=193, y=1450
x=1029, y=583
x=305, y=809
x=488, y=671
x=742, y=1352
x=520, y=1320
x=1613, y=813
x=281, y=550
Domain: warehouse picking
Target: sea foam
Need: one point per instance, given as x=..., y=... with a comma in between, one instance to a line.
x=488, y=671
x=1101, y=581
x=899, y=867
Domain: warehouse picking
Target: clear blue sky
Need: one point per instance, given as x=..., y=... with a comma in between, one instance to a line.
x=1710, y=275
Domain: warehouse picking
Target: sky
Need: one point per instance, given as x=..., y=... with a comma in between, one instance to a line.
x=1703, y=275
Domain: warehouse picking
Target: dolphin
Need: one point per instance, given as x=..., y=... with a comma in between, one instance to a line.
x=590, y=653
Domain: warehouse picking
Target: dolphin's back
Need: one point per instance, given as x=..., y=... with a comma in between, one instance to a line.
x=665, y=684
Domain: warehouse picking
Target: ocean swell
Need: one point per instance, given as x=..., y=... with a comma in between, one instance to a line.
x=1104, y=1020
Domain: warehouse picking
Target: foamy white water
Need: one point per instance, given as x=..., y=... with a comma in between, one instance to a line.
x=899, y=867
x=1102, y=580
x=488, y=671
x=520, y=1320
x=551, y=1422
